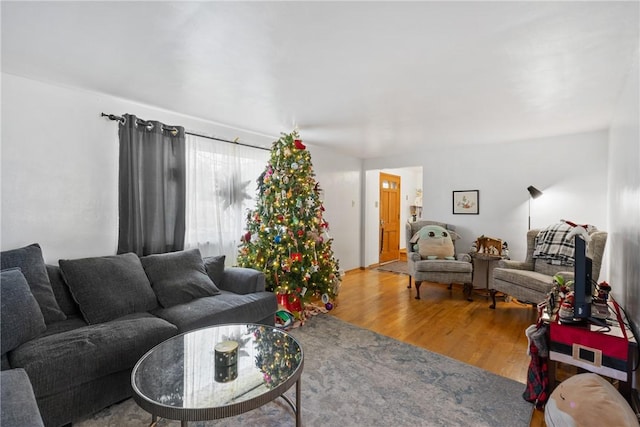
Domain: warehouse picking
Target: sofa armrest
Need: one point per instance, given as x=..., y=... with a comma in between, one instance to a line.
x=19, y=407
x=241, y=280
x=414, y=256
x=515, y=265
x=463, y=257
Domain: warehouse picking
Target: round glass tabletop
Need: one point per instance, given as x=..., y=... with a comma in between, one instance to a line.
x=217, y=372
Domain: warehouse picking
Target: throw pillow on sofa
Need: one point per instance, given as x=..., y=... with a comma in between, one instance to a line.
x=215, y=268
x=60, y=289
x=20, y=315
x=108, y=287
x=178, y=277
x=30, y=261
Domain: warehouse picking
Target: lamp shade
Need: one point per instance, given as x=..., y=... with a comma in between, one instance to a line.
x=534, y=192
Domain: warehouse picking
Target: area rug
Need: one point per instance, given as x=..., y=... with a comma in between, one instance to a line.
x=355, y=377
x=399, y=267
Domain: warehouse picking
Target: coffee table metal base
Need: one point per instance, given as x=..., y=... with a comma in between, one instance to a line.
x=294, y=406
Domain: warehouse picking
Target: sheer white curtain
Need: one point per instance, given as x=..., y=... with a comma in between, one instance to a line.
x=221, y=186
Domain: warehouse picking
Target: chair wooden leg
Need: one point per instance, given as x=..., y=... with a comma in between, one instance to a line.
x=409, y=287
x=418, y=289
x=493, y=293
x=468, y=291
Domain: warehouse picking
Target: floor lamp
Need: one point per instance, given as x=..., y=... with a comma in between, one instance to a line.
x=534, y=193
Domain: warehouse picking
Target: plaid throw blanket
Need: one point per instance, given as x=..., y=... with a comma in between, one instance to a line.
x=551, y=244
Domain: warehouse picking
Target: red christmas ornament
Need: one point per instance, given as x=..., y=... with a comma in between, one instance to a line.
x=300, y=233
x=296, y=256
x=299, y=145
x=247, y=236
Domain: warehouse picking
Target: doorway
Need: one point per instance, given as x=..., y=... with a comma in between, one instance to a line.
x=389, y=230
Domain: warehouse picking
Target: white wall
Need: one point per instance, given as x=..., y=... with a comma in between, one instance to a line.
x=624, y=197
x=340, y=179
x=571, y=170
x=60, y=171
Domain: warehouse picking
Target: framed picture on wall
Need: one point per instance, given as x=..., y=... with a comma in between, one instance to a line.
x=466, y=202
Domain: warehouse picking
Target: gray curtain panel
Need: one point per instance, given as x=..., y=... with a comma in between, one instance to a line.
x=152, y=187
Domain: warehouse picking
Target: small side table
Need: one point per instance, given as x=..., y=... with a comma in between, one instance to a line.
x=610, y=351
x=483, y=265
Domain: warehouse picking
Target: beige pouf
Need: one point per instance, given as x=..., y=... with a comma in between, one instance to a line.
x=588, y=400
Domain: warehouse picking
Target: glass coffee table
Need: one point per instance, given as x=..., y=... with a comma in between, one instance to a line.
x=218, y=372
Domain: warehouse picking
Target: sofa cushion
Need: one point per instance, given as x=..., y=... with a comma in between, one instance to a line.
x=72, y=322
x=29, y=260
x=60, y=361
x=450, y=266
x=178, y=277
x=227, y=307
x=215, y=268
x=524, y=278
x=19, y=406
x=108, y=287
x=545, y=267
x=20, y=315
x=4, y=363
x=61, y=291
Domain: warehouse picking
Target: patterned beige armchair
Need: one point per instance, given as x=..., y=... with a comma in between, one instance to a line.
x=532, y=279
x=437, y=271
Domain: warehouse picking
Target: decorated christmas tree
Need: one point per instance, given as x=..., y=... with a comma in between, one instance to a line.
x=286, y=235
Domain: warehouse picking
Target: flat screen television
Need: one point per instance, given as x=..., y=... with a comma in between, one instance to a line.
x=582, y=285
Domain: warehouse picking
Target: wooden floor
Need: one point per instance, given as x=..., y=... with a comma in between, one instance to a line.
x=443, y=321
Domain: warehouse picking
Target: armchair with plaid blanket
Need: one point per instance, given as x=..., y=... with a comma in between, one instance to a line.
x=548, y=253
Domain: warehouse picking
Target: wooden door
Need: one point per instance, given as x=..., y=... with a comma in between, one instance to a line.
x=389, y=217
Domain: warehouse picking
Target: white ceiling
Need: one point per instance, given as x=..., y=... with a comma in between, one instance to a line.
x=365, y=78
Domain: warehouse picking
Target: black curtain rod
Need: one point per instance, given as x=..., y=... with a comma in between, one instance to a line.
x=120, y=118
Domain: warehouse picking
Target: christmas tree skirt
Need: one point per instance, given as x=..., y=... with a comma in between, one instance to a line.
x=355, y=377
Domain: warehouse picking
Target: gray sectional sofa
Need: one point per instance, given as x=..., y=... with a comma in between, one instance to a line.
x=78, y=329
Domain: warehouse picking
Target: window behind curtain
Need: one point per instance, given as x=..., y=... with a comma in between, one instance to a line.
x=221, y=186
